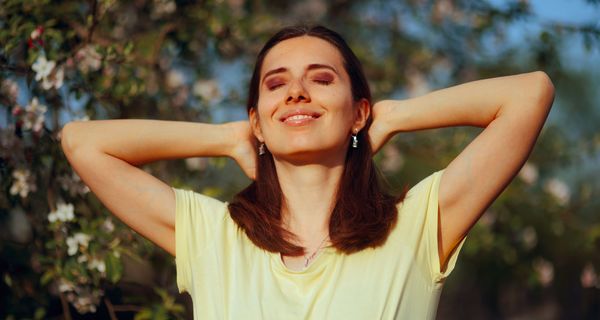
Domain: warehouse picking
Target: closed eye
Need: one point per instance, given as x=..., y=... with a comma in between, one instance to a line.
x=323, y=78
x=323, y=82
x=275, y=83
x=275, y=86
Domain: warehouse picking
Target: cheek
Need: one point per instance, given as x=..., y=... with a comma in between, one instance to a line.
x=267, y=104
x=341, y=103
x=264, y=112
x=335, y=96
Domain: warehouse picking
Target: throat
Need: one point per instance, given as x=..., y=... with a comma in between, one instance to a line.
x=294, y=263
x=299, y=263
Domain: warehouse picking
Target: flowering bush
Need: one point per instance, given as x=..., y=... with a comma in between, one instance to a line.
x=64, y=254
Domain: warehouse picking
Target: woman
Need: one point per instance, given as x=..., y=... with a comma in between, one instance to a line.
x=314, y=236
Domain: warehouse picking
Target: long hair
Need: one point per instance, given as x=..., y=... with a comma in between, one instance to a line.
x=363, y=215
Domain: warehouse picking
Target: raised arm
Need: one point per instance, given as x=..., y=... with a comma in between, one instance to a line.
x=512, y=109
x=106, y=153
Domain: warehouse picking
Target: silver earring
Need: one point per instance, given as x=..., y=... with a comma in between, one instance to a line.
x=354, y=141
x=261, y=149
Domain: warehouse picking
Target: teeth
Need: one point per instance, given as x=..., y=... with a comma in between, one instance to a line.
x=298, y=117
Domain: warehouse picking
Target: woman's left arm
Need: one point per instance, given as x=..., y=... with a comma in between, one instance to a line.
x=512, y=109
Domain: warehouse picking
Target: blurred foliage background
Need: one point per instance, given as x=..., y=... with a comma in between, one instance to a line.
x=534, y=254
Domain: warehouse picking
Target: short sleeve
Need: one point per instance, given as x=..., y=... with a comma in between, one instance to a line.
x=421, y=212
x=430, y=234
x=196, y=218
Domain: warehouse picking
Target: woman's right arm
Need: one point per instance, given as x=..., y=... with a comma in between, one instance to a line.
x=106, y=153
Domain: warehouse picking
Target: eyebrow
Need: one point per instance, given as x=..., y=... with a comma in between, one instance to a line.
x=312, y=66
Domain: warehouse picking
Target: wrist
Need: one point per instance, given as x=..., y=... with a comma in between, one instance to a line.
x=390, y=117
x=235, y=133
x=398, y=113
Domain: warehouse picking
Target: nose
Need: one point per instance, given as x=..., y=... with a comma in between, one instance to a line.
x=297, y=93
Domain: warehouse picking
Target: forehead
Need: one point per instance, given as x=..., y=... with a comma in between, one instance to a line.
x=299, y=52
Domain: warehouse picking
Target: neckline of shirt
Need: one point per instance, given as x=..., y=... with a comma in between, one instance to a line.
x=317, y=264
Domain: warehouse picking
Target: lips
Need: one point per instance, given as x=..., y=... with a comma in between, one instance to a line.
x=299, y=115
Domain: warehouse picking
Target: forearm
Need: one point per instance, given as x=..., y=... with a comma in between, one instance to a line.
x=475, y=103
x=140, y=141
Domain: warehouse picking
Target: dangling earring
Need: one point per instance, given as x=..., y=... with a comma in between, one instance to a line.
x=261, y=149
x=355, y=140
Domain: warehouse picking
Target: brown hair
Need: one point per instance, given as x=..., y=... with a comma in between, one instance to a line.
x=363, y=215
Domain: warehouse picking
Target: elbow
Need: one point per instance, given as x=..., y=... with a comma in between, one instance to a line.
x=544, y=89
x=67, y=137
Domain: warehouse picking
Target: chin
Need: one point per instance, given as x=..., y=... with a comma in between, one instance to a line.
x=309, y=154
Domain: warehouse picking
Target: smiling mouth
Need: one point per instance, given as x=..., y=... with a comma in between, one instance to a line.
x=299, y=116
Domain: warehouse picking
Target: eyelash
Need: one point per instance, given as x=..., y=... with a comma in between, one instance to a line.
x=322, y=82
x=275, y=87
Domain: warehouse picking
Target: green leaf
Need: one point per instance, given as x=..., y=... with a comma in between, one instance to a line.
x=47, y=276
x=40, y=313
x=114, y=268
x=128, y=48
x=8, y=279
x=143, y=315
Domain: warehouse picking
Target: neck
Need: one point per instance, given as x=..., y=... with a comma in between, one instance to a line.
x=309, y=192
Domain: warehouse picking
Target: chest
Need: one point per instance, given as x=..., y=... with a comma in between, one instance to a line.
x=333, y=286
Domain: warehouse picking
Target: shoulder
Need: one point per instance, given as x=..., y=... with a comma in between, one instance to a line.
x=194, y=206
x=191, y=197
x=425, y=190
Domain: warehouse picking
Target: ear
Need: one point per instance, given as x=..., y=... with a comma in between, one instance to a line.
x=362, y=112
x=253, y=118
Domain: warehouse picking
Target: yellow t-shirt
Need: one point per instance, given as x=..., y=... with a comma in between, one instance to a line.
x=228, y=277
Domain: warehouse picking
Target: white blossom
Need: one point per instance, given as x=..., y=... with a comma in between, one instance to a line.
x=9, y=89
x=529, y=238
x=82, y=258
x=72, y=246
x=55, y=79
x=208, y=90
x=108, y=225
x=46, y=72
x=85, y=304
x=84, y=298
x=544, y=270
x=89, y=59
x=97, y=264
x=65, y=285
x=63, y=213
x=529, y=173
x=589, y=278
x=73, y=184
x=559, y=190
x=162, y=8
x=174, y=79
x=34, y=116
x=22, y=183
x=42, y=67
x=77, y=240
x=36, y=33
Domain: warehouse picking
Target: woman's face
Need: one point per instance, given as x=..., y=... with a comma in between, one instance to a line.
x=305, y=108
